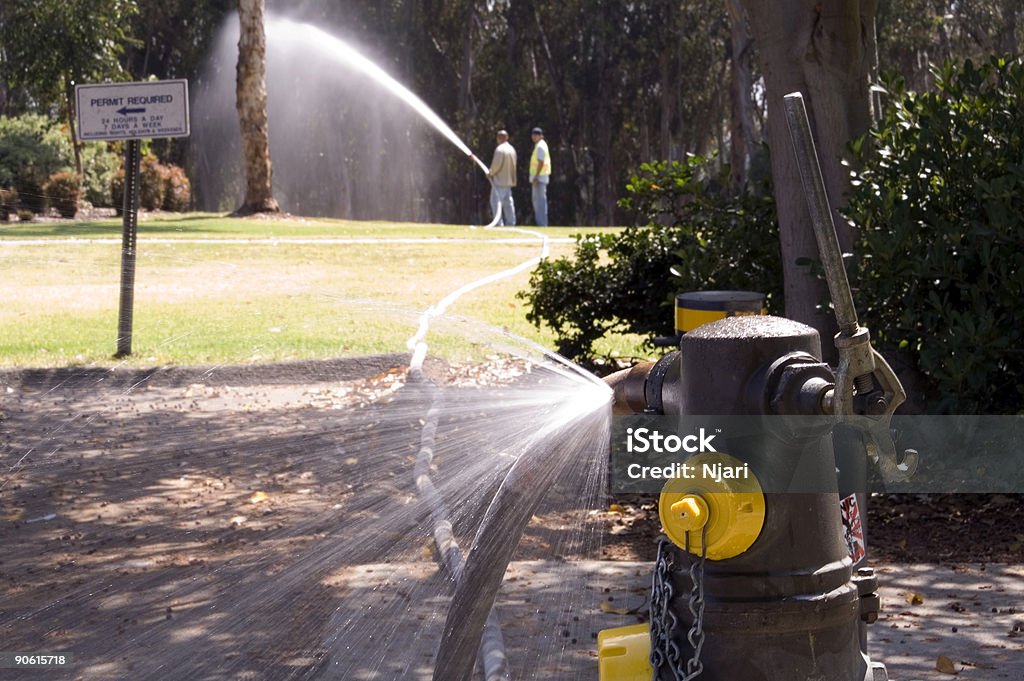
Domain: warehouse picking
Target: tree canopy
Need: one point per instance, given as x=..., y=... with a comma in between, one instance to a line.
x=613, y=84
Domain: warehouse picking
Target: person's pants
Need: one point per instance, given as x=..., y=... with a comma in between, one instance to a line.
x=502, y=196
x=540, y=203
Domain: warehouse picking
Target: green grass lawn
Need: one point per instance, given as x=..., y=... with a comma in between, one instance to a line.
x=206, y=225
x=203, y=301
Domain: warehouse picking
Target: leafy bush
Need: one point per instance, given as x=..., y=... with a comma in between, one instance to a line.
x=152, y=183
x=8, y=203
x=117, y=190
x=940, y=201
x=31, y=149
x=697, y=237
x=160, y=186
x=177, y=189
x=31, y=195
x=64, y=192
x=99, y=163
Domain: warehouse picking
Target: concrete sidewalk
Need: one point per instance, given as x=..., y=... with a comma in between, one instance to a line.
x=971, y=614
x=551, y=613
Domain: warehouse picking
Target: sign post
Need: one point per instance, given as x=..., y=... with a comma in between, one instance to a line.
x=131, y=112
x=129, y=239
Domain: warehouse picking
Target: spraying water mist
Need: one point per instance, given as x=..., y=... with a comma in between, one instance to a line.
x=347, y=139
x=345, y=55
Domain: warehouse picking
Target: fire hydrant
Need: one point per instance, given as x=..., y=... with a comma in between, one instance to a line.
x=756, y=585
x=763, y=576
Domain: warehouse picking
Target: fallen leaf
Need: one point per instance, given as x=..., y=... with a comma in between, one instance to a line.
x=612, y=610
x=915, y=598
x=12, y=515
x=258, y=497
x=945, y=665
x=615, y=508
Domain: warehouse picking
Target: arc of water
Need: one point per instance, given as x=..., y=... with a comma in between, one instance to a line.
x=348, y=56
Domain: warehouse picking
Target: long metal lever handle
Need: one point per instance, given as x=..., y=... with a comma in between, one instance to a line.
x=858, y=361
x=821, y=213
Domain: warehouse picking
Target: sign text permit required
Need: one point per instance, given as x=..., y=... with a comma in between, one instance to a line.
x=124, y=111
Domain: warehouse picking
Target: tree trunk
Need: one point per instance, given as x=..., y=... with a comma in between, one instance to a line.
x=601, y=134
x=668, y=92
x=822, y=50
x=566, y=127
x=1006, y=41
x=741, y=120
x=69, y=94
x=466, y=104
x=251, y=102
x=469, y=186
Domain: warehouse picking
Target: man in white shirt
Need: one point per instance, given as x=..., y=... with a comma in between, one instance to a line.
x=503, y=178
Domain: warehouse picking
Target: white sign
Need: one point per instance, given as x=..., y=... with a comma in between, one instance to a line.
x=124, y=111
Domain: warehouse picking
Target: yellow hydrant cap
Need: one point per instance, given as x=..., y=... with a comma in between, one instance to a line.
x=692, y=513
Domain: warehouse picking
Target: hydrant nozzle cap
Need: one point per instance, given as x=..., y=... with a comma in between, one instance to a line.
x=692, y=513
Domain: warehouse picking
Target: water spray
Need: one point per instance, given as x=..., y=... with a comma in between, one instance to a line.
x=484, y=633
x=471, y=628
x=349, y=57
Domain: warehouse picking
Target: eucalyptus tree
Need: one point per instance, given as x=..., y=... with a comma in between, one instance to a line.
x=826, y=51
x=251, y=103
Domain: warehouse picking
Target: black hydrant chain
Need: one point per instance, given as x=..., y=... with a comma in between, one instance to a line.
x=661, y=594
x=696, y=634
x=664, y=622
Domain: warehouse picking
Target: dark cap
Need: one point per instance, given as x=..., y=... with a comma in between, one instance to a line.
x=537, y=131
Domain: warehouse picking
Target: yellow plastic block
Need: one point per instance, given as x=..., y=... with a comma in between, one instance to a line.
x=623, y=653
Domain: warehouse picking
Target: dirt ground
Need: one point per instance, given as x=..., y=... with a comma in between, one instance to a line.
x=224, y=470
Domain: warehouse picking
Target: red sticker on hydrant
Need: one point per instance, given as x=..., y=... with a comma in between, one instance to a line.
x=853, y=529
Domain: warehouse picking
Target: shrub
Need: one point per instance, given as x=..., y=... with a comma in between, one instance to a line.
x=940, y=202
x=117, y=190
x=160, y=186
x=31, y=195
x=177, y=189
x=152, y=183
x=99, y=163
x=64, y=191
x=26, y=215
x=8, y=203
x=31, y=149
x=698, y=236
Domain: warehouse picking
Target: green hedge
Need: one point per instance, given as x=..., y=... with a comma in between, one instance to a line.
x=940, y=203
x=33, y=147
x=697, y=236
